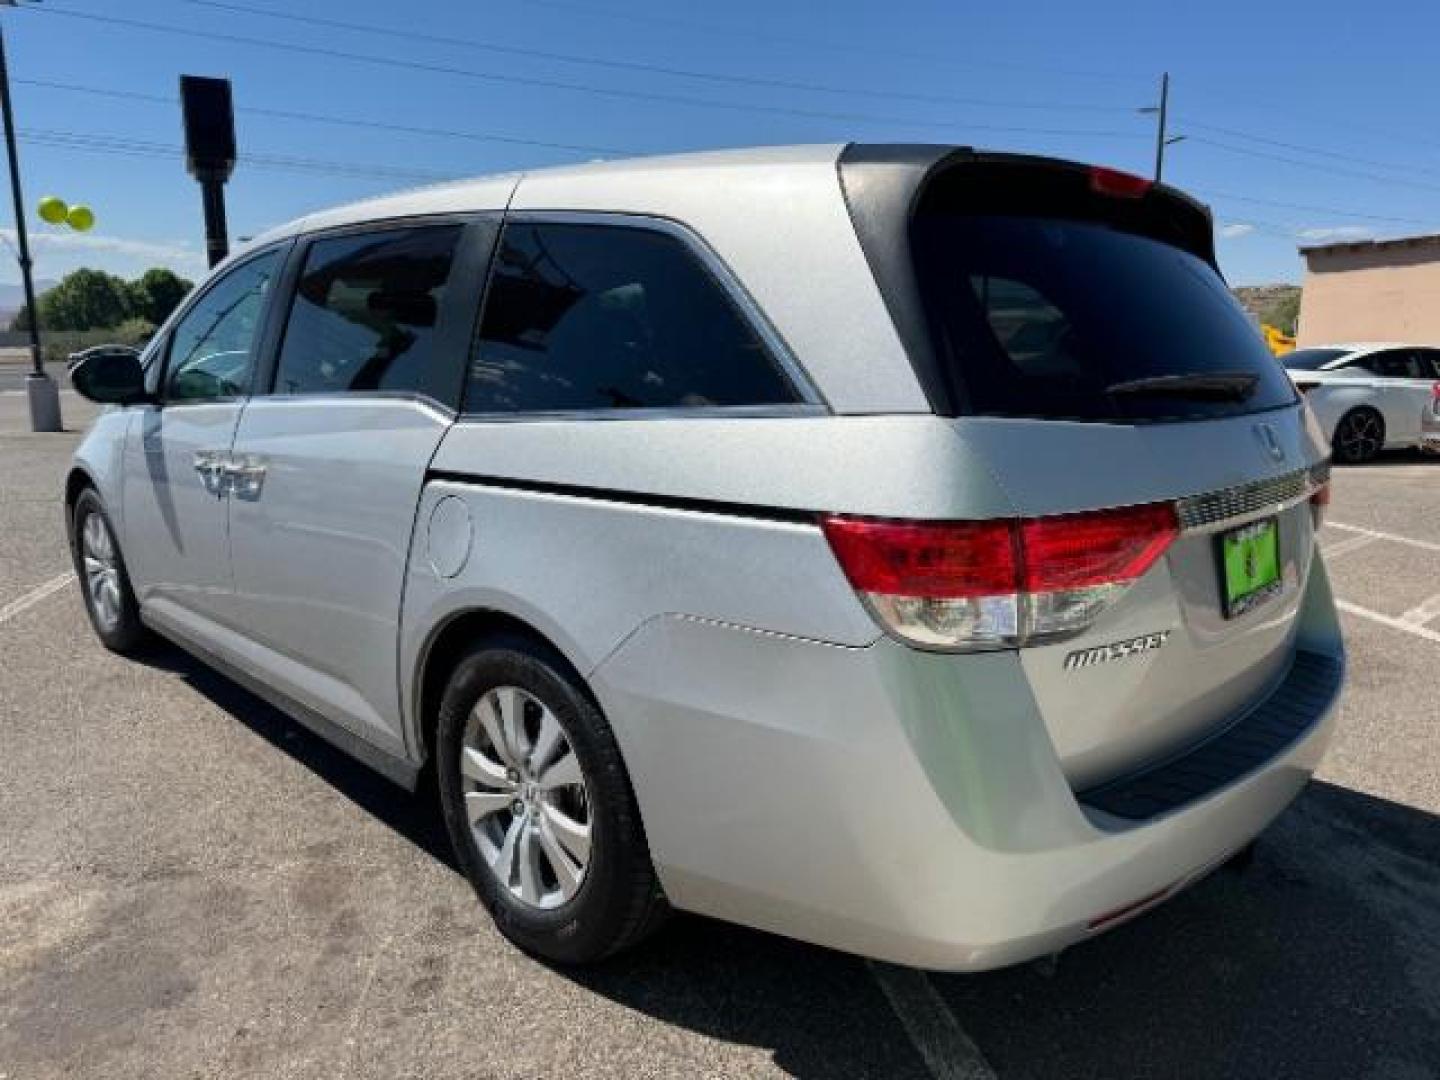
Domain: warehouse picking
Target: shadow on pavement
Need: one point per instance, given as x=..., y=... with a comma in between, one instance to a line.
x=414, y=817
x=1395, y=457
x=1320, y=960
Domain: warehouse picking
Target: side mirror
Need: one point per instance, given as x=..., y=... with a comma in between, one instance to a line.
x=110, y=378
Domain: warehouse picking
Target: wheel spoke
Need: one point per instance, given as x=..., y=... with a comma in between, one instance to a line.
x=573, y=835
x=564, y=772
x=488, y=712
x=512, y=723
x=110, y=590
x=481, y=804
x=92, y=534
x=547, y=741
x=567, y=874
x=530, y=888
x=477, y=767
x=504, y=864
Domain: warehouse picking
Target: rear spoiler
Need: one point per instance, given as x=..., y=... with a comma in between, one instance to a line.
x=887, y=185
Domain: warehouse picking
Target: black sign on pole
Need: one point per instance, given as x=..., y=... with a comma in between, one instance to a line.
x=210, y=151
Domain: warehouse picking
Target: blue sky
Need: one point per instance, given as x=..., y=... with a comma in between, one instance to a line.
x=1305, y=120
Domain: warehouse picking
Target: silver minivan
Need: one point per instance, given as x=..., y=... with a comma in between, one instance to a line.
x=903, y=548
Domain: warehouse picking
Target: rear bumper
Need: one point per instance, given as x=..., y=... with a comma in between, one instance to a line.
x=910, y=806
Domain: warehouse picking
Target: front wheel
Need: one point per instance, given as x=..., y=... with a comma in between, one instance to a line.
x=109, y=600
x=539, y=806
x=1359, y=437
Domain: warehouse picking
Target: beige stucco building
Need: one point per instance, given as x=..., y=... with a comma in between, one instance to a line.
x=1371, y=290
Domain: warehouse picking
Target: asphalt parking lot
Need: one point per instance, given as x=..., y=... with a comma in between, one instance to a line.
x=190, y=885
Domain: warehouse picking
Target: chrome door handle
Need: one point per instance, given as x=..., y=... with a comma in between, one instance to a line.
x=246, y=476
x=210, y=464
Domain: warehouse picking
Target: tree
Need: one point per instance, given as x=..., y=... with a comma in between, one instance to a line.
x=85, y=300
x=1284, y=314
x=93, y=300
x=156, y=293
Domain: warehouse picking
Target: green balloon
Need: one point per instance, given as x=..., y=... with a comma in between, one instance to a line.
x=81, y=218
x=53, y=209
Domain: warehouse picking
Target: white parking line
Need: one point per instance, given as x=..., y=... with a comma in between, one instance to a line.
x=948, y=1052
x=1340, y=547
x=35, y=595
x=1424, y=545
x=1423, y=612
x=1389, y=620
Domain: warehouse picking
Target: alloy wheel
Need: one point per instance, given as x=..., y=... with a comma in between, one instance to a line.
x=1360, y=436
x=102, y=571
x=525, y=797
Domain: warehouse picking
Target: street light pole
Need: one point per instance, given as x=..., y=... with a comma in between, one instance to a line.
x=40, y=388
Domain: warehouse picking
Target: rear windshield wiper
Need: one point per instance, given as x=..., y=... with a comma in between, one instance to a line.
x=1211, y=386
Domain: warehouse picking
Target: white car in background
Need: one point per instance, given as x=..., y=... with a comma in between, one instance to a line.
x=1369, y=396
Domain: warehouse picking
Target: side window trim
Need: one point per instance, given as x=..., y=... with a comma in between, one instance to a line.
x=811, y=402
x=458, y=320
x=167, y=332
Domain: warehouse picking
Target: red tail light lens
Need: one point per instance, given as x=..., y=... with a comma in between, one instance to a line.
x=942, y=560
x=1120, y=185
x=986, y=584
x=1435, y=391
x=1079, y=551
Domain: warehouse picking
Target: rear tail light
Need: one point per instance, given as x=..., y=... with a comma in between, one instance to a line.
x=1320, y=503
x=1435, y=393
x=1120, y=185
x=992, y=584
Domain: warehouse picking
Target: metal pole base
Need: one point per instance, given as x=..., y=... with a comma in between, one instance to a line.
x=44, y=402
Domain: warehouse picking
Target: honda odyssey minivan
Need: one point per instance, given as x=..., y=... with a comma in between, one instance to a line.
x=902, y=548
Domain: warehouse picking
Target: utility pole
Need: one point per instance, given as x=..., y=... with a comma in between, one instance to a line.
x=44, y=395
x=1160, y=126
x=1161, y=113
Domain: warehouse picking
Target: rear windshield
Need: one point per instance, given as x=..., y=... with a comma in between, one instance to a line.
x=1311, y=359
x=1045, y=317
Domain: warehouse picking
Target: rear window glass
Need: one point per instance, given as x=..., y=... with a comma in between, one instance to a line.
x=1311, y=359
x=1046, y=317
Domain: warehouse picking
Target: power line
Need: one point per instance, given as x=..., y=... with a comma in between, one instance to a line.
x=1301, y=148
x=344, y=121
x=695, y=26
x=88, y=141
x=1357, y=174
x=1331, y=122
x=1309, y=209
x=555, y=84
x=651, y=69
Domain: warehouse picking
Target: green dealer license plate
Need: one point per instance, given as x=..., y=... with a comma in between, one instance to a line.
x=1250, y=561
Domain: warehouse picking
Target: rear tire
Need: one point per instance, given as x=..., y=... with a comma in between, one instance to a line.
x=539, y=806
x=1359, y=436
x=104, y=583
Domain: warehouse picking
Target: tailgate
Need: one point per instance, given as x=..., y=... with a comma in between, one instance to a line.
x=1165, y=665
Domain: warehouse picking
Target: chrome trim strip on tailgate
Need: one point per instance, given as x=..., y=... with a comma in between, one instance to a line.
x=1234, y=504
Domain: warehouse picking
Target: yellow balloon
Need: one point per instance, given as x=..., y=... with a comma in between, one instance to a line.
x=81, y=218
x=53, y=209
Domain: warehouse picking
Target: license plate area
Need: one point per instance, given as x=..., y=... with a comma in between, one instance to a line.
x=1249, y=566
